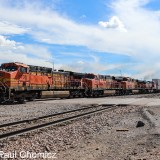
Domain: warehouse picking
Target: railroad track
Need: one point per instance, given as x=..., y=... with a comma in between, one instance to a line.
x=141, y=95
x=25, y=126
x=145, y=95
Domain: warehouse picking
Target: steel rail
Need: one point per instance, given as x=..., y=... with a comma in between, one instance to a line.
x=46, y=116
x=102, y=96
x=56, y=122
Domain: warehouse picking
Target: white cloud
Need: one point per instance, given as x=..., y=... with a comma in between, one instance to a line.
x=93, y=65
x=5, y=43
x=49, y=27
x=11, y=56
x=80, y=62
x=114, y=23
x=8, y=28
x=30, y=54
x=37, y=51
x=140, y=42
x=89, y=67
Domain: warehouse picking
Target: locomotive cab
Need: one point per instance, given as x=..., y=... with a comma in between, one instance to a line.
x=13, y=74
x=88, y=80
x=12, y=67
x=95, y=81
x=13, y=77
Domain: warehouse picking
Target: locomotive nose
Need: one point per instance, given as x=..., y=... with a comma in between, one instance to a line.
x=2, y=75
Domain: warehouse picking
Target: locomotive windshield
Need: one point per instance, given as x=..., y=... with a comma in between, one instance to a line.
x=10, y=68
x=90, y=76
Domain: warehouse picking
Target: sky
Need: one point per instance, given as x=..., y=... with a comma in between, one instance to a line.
x=111, y=37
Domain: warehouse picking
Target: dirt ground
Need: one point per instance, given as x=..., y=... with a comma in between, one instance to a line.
x=112, y=135
x=120, y=140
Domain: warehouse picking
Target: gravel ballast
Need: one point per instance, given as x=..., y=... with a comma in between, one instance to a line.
x=107, y=135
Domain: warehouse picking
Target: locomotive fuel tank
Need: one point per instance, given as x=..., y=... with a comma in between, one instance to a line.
x=55, y=94
x=109, y=92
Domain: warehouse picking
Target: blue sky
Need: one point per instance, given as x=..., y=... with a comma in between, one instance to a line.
x=100, y=36
x=90, y=11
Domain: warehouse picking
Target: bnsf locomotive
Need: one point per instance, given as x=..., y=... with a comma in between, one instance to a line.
x=20, y=82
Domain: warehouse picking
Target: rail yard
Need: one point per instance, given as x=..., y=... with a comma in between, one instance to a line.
x=20, y=82
x=49, y=114
x=79, y=80
x=117, y=127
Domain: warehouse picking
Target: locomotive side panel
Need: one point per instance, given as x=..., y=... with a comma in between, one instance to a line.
x=59, y=80
x=38, y=82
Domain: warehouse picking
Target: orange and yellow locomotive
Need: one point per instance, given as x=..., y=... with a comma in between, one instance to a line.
x=20, y=82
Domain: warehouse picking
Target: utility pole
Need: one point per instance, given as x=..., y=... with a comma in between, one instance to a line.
x=120, y=72
x=51, y=62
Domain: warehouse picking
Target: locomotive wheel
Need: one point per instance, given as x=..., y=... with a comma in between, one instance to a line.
x=81, y=95
x=30, y=98
x=21, y=100
x=90, y=95
x=70, y=96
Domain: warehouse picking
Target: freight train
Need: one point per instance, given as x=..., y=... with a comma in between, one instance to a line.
x=20, y=82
